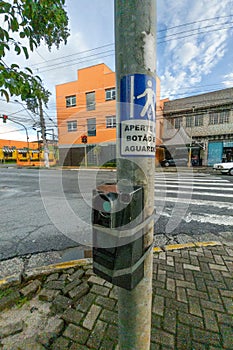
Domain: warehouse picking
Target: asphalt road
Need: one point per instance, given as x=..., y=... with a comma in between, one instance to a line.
x=192, y=205
x=43, y=210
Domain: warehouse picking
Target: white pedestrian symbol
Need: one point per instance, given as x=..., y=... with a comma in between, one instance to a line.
x=150, y=102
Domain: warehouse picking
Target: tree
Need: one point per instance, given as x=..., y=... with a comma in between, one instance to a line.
x=26, y=24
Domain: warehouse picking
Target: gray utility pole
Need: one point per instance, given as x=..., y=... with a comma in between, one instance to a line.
x=135, y=37
x=43, y=134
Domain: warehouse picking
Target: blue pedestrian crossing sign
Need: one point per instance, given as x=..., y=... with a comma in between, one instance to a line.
x=137, y=115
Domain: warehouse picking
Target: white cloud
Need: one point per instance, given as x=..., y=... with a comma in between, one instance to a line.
x=183, y=63
x=186, y=53
x=228, y=80
x=60, y=66
x=190, y=58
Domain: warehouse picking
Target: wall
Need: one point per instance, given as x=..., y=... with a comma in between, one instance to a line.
x=96, y=78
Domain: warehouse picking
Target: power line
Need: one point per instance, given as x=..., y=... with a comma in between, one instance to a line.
x=79, y=61
x=74, y=54
x=11, y=131
x=74, y=64
x=194, y=34
x=111, y=44
x=191, y=30
x=194, y=22
x=58, y=64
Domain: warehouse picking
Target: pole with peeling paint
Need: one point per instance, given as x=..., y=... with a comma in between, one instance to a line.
x=135, y=37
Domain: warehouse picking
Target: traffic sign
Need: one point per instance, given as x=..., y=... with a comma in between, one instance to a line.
x=137, y=115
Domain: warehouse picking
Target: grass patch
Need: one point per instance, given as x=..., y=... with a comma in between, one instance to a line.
x=21, y=302
x=5, y=292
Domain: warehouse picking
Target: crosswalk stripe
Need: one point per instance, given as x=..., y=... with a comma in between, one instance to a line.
x=199, y=202
x=174, y=194
x=197, y=193
x=192, y=179
x=206, y=218
x=194, y=188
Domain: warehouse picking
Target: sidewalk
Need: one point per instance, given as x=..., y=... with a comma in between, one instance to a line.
x=66, y=306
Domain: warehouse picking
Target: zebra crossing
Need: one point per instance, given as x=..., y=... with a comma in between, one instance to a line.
x=185, y=201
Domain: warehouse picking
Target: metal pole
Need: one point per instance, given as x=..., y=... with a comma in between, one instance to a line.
x=135, y=37
x=85, y=154
x=25, y=131
x=43, y=134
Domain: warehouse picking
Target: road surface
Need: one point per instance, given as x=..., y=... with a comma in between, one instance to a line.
x=43, y=210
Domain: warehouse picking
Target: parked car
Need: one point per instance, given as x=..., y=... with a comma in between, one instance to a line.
x=174, y=162
x=224, y=168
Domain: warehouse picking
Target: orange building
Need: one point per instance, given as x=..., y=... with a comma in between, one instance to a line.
x=87, y=107
x=13, y=151
x=17, y=144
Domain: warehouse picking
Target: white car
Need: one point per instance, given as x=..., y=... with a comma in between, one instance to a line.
x=225, y=168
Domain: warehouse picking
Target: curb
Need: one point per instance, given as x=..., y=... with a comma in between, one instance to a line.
x=46, y=270
x=34, y=273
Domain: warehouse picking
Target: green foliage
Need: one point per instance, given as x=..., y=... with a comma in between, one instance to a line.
x=21, y=302
x=34, y=21
x=5, y=292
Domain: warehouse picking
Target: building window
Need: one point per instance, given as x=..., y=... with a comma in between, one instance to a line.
x=90, y=101
x=72, y=125
x=213, y=118
x=198, y=120
x=224, y=117
x=178, y=122
x=170, y=123
x=70, y=101
x=91, y=127
x=111, y=122
x=110, y=94
x=189, y=121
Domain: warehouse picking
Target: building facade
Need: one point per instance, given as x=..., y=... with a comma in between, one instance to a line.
x=26, y=153
x=87, y=107
x=205, y=124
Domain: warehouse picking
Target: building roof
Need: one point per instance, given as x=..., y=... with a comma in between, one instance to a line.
x=209, y=99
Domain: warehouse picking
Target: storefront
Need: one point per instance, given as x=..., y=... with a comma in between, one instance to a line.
x=227, y=155
x=219, y=152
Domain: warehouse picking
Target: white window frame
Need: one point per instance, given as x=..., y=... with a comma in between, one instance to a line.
x=72, y=125
x=70, y=101
x=177, y=122
x=198, y=121
x=213, y=118
x=110, y=122
x=189, y=121
x=110, y=94
x=224, y=117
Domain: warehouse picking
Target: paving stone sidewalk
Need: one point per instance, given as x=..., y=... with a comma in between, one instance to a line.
x=71, y=308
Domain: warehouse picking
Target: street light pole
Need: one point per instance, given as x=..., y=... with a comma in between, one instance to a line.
x=135, y=37
x=43, y=134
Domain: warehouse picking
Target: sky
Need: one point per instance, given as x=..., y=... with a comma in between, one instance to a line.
x=194, y=53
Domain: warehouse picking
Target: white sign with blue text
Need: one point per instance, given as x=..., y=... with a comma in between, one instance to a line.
x=137, y=115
